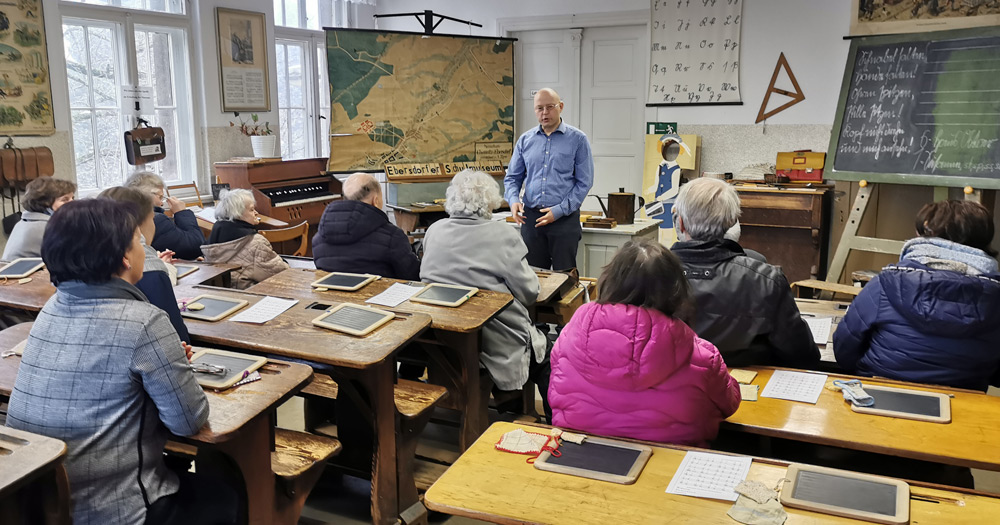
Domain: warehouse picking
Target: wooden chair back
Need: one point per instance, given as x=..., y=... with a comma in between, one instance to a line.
x=288, y=234
x=191, y=185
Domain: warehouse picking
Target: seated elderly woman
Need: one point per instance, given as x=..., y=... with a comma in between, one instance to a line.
x=180, y=234
x=42, y=197
x=156, y=283
x=742, y=305
x=105, y=372
x=469, y=249
x=933, y=317
x=235, y=240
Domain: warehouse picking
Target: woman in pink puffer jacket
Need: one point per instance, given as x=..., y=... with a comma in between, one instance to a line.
x=628, y=366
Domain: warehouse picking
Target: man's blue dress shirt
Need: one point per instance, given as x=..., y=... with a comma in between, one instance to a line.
x=559, y=169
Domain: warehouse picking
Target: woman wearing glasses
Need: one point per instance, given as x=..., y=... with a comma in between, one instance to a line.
x=181, y=233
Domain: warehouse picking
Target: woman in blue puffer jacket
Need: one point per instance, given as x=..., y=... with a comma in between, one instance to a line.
x=934, y=317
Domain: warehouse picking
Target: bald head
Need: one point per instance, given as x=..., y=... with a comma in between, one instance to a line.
x=548, y=93
x=363, y=187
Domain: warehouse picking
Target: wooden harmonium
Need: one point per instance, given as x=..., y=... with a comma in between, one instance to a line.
x=292, y=191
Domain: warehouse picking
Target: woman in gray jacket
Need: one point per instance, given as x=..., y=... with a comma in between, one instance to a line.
x=42, y=197
x=104, y=371
x=469, y=249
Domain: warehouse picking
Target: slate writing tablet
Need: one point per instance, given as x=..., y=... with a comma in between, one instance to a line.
x=445, y=294
x=185, y=269
x=598, y=458
x=849, y=494
x=23, y=267
x=215, y=307
x=344, y=281
x=237, y=367
x=907, y=404
x=353, y=319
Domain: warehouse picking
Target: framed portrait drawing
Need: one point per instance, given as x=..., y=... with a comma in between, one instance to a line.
x=242, y=60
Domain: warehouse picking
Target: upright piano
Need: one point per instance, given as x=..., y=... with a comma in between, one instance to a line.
x=290, y=190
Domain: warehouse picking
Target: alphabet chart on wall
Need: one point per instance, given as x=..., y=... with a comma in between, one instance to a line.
x=707, y=475
x=694, y=54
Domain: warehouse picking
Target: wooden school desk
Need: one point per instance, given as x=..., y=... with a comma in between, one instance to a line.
x=499, y=487
x=458, y=329
x=364, y=368
x=33, y=483
x=31, y=296
x=239, y=425
x=206, y=224
x=972, y=439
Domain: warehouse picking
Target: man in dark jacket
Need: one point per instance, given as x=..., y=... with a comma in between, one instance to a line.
x=181, y=233
x=744, y=306
x=355, y=235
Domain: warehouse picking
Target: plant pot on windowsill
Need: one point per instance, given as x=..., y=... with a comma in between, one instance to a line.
x=264, y=146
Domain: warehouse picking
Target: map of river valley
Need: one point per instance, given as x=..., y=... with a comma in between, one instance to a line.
x=410, y=98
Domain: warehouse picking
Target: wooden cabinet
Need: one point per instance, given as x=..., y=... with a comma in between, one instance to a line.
x=789, y=226
x=598, y=246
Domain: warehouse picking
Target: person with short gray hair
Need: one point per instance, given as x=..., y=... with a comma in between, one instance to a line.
x=469, y=249
x=355, y=235
x=235, y=240
x=181, y=234
x=744, y=306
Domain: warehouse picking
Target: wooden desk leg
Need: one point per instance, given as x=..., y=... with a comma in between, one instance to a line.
x=250, y=450
x=379, y=382
x=474, y=413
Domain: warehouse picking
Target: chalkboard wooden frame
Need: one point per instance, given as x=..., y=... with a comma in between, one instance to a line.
x=944, y=405
x=550, y=463
x=900, y=178
x=902, y=496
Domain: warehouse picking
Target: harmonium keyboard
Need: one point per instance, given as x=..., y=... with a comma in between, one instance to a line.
x=291, y=190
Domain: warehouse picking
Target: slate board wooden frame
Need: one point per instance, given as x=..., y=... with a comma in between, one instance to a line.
x=944, y=403
x=875, y=176
x=542, y=463
x=902, y=500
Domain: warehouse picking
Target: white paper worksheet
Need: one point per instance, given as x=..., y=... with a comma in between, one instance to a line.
x=794, y=386
x=266, y=309
x=820, y=328
x=707, y=475
x=394, y=295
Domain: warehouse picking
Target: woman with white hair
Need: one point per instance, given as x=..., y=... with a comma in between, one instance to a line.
x=235, y=240
x=181, y=234
x=469, y=249
x=744, y=306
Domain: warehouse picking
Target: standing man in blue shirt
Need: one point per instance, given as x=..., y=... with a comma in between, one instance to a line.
x=554, y=164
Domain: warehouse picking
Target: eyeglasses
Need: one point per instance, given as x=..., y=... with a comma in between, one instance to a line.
x=546, y=107
x=158, y=196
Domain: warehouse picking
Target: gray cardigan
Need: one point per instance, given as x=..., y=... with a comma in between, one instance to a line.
x=104, y=371
x=490, y=255
x=26, y=238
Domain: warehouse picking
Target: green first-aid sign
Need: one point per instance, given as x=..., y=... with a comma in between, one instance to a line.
x=660, y=128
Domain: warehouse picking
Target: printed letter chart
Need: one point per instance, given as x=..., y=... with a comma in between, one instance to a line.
x=706, y=475
x=794, y=386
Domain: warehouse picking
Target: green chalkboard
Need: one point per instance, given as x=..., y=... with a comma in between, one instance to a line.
x=920, y=109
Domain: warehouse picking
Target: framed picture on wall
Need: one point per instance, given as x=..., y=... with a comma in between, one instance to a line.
x=25, y=93
x=242, y=60
x=879, y=17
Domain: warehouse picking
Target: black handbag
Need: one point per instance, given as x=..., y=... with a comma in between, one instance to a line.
x=144, y=144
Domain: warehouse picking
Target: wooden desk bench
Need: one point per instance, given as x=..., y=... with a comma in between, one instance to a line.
x=34, y=487
x=490, y=485
x=970, y=440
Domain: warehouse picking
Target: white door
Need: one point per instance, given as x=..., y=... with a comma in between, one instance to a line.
x=612, y=106
x=546, y=59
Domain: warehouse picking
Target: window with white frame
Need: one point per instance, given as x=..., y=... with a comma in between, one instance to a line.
x=303, y=80
x=162, y=6
x=106, y=49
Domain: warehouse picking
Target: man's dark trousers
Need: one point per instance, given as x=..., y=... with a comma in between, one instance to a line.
x=553, y=245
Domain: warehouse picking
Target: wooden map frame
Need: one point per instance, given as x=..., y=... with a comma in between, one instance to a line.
x=26, y=81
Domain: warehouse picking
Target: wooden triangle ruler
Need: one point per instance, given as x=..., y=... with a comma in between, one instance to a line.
x=797, y=96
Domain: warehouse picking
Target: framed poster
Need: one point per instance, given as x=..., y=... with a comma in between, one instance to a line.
x=25, y=93
x=242, y=60
x=877, y=17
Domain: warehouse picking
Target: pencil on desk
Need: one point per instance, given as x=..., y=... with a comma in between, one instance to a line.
x=221, y=289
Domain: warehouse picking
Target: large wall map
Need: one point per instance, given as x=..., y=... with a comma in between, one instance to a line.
x=410, y=98
x=25, y=95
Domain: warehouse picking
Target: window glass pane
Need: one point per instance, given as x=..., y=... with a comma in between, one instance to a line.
x=170, y=169
x=155, y=67
x=142, y=57
x=285, y=134
x=296, y=93
x=160, y=6
x=83, y=149
x=297, y=126
x=280, y=65
x=313, y=16
x=77, y=65
x=108, y=124
x=279, y=13
x=103, y=68
x=324, y=100
x=292, y=13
